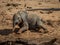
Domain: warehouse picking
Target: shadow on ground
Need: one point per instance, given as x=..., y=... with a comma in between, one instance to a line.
x=6, y=31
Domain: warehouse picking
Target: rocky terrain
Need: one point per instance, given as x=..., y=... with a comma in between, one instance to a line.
x=51, y=18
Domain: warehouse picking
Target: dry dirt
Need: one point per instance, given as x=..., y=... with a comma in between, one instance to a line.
x=52, y=20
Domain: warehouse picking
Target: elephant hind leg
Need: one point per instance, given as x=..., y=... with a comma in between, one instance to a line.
x=40, y=25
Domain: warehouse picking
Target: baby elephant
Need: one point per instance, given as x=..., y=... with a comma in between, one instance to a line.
x=25, y=22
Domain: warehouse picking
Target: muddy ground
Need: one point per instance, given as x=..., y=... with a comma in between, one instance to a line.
x=51, y=18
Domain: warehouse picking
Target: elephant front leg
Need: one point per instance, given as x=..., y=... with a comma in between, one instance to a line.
x=23, y=28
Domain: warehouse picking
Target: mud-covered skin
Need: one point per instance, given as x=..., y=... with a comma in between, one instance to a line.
x=27, y=21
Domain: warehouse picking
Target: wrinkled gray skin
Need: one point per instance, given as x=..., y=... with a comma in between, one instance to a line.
x=20, y=17
x=28, y=21
x=35, y=22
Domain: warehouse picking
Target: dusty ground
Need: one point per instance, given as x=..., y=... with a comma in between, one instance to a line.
x=52, y=20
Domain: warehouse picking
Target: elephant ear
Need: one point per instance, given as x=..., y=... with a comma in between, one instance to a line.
x=16, y=18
